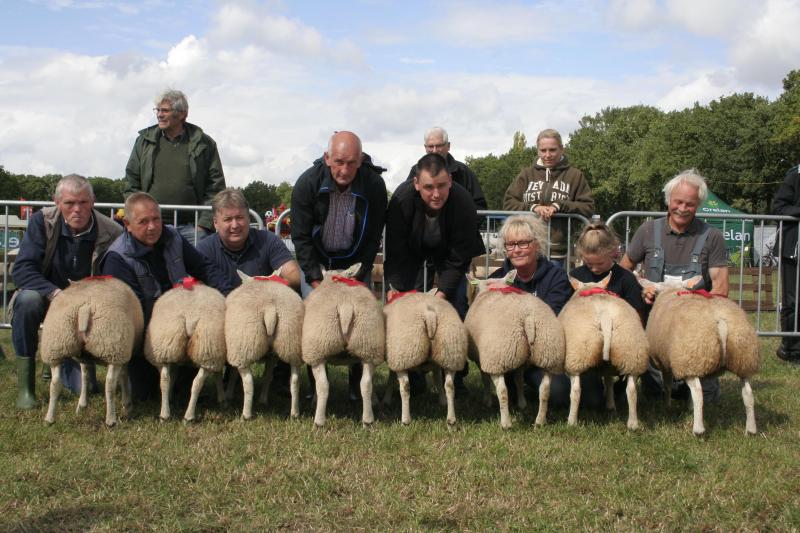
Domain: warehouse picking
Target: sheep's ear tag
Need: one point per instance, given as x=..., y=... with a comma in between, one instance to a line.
x=473, y=282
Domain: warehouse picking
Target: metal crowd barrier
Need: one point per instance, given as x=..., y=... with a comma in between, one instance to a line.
x=8, y=255
x=759, y=255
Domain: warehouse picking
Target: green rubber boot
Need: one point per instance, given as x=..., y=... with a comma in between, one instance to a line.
x=26, y=373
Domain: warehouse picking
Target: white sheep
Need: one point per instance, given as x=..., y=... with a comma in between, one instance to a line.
x=95, y=319
x=602, y=330
x=343, y=324
x=510, y=329
x=423, y=329
x=187, y=327
x=264, y=316
x=694, y=334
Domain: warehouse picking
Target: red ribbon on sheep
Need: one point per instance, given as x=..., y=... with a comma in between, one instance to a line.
x=99, y=277
x=701, y=292
x=187, y=283
x=399, y=294
x=507, y=290
x=348, y=281
x=598, y=290
x=277, y=279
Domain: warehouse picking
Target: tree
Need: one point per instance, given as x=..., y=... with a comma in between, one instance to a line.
x=495, y=173
x=285, y=193
x=107, y=190
x=261, y=196
x=9, y=188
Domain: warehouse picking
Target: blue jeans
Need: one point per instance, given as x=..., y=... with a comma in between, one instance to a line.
x=29, y=310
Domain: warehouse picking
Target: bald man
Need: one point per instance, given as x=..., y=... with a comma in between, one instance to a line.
x=338, y=211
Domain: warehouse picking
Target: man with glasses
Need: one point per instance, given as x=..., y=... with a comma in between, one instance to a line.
x=432, y=218
x=437, y=142
x=177, y=164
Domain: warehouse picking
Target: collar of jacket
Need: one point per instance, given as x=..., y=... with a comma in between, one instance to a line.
x=137, y=249
x=195, y=134
x=561, y=165
x=357, y=185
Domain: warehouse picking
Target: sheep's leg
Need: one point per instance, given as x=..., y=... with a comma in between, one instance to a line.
x=608, y=382
x=125, y=388
x=544, y=397
x=405, y=397
x=697, y=402
x=166, y=385
x=367, y=417
x=269, y=367
x=519, y=381
x=749, y=407
x=112, y=377
x=197, y=386
x=294, y=391
x=630, y=392
x=438, y=386
x=574, y=399
x=487, y=389
x=247, y=388
x=390, y=382
x=502, y=397
x=450, y=391
x=323, y=388
x=55, y=391
x=83, y=399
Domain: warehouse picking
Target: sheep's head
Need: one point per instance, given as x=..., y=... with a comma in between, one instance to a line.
x=475, y=286
x=350, y=272
x=275, y=276
x=588, y=288
x=655, y=288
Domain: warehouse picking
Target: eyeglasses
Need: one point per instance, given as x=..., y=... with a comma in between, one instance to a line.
x=522, y=245
x=164, y=110
x=436, y=146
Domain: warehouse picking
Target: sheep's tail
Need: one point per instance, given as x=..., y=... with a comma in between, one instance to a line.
x=190, y=325
x=84, y=318
x=345, y=318
x=605, y=328
x=431, y=321
x=722, y=330
x=270, y=320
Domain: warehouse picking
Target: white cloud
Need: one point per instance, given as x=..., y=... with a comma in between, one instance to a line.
x=715, y=18
x=481, y=24
x=633, y=14
x=417, y=61
x=769, y=47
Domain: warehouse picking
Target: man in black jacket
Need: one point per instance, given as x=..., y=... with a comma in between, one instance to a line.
x=338, y=211
x=787, y=202
x=432, y=218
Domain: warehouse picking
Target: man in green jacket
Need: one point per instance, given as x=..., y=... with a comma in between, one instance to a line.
x=176, y=163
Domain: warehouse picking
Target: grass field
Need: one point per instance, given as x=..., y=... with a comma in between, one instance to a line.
x=278, y=474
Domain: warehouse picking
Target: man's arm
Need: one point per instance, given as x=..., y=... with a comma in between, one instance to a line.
x=626, y=263
x=719, y=280
x=202, y=268
x=377, y=198
x=784, y=201
x=27, y=273
x=133, y=169
x=303, y=199
x=582, y=201
x=215, y=180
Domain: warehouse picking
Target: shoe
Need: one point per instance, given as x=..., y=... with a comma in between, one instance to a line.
x=26, y=374
x=789, y=357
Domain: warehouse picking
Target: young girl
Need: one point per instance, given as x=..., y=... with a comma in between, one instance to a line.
x=598, y=248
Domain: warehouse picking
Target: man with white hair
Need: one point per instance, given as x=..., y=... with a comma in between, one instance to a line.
x=681, y=246
x=176, y=163
x=62, y=243
x=438, y=142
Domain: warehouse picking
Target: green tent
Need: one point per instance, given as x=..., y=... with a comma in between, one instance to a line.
x=731, y=229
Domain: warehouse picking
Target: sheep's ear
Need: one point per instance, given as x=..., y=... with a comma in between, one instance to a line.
x=576, y=285
x=605, y=281
x=510, y=277
x=244, y=277
x=352, y=270
x=278, y=271
x=71, y=281
x=646, y=283
x=433, y=291
x=692, y=282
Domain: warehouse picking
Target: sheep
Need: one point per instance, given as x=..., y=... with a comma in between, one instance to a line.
x=509, y=329
x=98, y=319
x=602, y=330
x=423, y=328
x=264, y=316
x=694, y=334
x=343, y=324
x=187, y=327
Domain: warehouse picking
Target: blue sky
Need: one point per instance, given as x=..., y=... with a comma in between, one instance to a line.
x=271, y=80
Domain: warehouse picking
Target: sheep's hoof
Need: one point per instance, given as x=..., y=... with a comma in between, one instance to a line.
x=247, y=417
x=163, y=419
x=451, y=422
x=189, y=421
x=111, y=424
x=700, y=434
x=633, y=426
x=49, y=422
x=368, y=425
x=406, y=423
x=319, y=426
